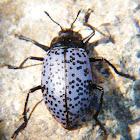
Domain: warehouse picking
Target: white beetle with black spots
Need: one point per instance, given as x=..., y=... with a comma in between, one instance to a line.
x=66, y=80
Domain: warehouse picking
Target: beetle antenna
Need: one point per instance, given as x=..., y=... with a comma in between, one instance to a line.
x=53, y=20
x=75, y=19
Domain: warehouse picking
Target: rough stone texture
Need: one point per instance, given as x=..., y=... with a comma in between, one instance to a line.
x=120, y=113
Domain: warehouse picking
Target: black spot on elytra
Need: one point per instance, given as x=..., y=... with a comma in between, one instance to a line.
x=79, y=54
x=78, y=68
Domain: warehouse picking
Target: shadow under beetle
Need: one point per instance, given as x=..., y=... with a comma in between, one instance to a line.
x=66, y=80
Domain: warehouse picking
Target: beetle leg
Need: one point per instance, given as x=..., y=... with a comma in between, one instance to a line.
x=99, y=108
x=25, y=112
x=101, y=99
x=21, y=65
x=119, y=73
x=21, y=37
x=85, y=23
x=85, y=40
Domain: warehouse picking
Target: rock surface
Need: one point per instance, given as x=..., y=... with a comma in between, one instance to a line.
x=120, y=113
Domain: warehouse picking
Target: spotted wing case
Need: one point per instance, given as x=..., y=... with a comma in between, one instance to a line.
x=66, y=84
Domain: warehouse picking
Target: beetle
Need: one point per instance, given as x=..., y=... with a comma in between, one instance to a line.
x=66, y=81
